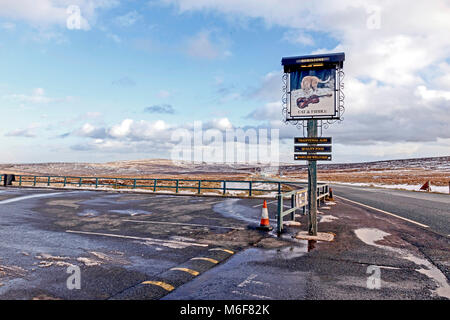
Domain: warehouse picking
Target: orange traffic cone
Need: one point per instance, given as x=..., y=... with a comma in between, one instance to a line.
x=265, y=224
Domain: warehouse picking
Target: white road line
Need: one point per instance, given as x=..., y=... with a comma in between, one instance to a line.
x=252, y=295
x=138, y=238
x=39, y=195
x=385, y=212
x=183, y=224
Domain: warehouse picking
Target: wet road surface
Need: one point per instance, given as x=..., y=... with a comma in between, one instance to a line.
x=119, y=241
x=139, y=246
x=429, y=209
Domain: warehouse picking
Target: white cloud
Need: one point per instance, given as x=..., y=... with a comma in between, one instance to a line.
x=114, y=37
x=37, y=96
x=129, y=19
x=428, y=94
x=202, y=45
x=299, y=36
x=46, y=13
x=163, y=94
x=29, y=132
x=7, y=26
x=394, y=54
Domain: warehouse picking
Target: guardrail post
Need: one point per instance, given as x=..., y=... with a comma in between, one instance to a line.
x=48, y=181
x=250, y=189
x=65, y=181
x=20, y=181
x=293, y=206
x=225, y=187
x=134, y=183
x=154, y=184
x=199, y=186
x=318, y=197
x=176, y=191
x=279, y=217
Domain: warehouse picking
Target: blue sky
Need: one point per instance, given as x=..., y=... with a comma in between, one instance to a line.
x=137, y=70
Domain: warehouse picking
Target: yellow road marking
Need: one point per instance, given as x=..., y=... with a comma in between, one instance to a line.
x=161, y=284
x=193, y=272
x=205, y=259
x=221, y=249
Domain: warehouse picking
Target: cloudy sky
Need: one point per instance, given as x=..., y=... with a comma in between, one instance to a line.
x=116, y=85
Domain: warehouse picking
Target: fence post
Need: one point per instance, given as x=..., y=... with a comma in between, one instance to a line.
x=250, y=189
x=79, y=182
x=65, y=181
x=48, y=181
x=293, y=206
x=34, y=183
x=96, y=182
x=279, y=187
x=115, y=184
x=176, y=190
x=199, y=186
x=154, y=185
x=20, y=181
x=279, y=217
x=225, y=186
x=134, y=184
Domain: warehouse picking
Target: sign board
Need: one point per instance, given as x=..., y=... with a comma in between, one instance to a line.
x=321, y=140
x=313, y=86
x=312, y=148
x=312, y=157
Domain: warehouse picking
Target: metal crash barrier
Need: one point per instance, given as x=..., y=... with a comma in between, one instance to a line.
x=298, y=199
x=229, y=188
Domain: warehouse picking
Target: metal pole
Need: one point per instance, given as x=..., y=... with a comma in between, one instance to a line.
x=312, y=184
x=293, y=206
x=279, y=217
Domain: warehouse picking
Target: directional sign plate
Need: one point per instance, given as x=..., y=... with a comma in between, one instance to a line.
x=321, y=140
x=312, y=148
x=320, y=157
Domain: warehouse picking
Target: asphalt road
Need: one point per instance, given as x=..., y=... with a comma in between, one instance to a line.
x=145, y=246
x=128, y=246
x=430, y=209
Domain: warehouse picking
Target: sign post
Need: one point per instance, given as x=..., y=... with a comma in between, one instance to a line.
x=312, y=184
x=312, y=86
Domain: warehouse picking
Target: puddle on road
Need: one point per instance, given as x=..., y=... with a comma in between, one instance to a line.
x=231, y=209
x=88, y=213
x=132, y=212
x=285, y=253
x=328, y=218
x=371, y=235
